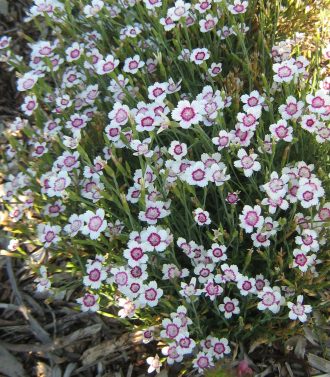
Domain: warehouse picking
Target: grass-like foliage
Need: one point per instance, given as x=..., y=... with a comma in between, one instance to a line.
x=171, y=167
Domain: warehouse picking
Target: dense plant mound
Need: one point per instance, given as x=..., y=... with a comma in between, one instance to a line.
x=172, y=160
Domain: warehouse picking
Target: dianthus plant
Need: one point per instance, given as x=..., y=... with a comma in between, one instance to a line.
x=171, y=157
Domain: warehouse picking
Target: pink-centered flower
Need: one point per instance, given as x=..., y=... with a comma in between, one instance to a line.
x=188, y=114
x=95, y=223
x=248, y=162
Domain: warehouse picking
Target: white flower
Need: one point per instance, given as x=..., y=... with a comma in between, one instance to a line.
x=54, y=209
x=171, y=328
x=203, y=5
x=292, y=109
x=29, y=105
x=150, y=295
x=157, y=91
x=48, y=234
x=187, y=113
x=230, y=273
x=76, y=123
x=217, y=174
x=302, y=260
x=72, y=142
x=220, y=347
x=249, y=119
x=246, y=285
x=212, y=290
x=132, y=65
x=95, y=275
x=171, y=271
x=261, y=282
x=120, y=276
x=273, y=204
x=281, y=131
x=141, y=148
x=154, y=211
x=94, y=8
x=270, y=299
x=177, y=150
x=323, y=213
x=154, y=363
x=247, y=162
x=252, y=100
x=185, y=344
x=27, y=81
x=217, y=253
x=58, y=183
x=277, y=187
x=215, y=69
x=298, y=310
x=229, y=307
x=222, y=140
x=318, y=102
x=68, y=161
x=95, y=223
x=119, y=114
x=204, y=272
x=4, y=42
x=196, y=175
x=260, y=239
x=89, y=302
x=301, y=63
x=39, y=149
x=135, y=253
x=285, y=71
x=251, y=218
x=155, y=238
x=307, y=241
x=208, y=23
x=322, y=133
x=309, y=122
x=202, y=217
x=203, y=361
x=171, y=351
x=189, y=289
x=74, y=52
x=148, y=335
x=43, y=282
x=146, y=121
x=128, y=308
x=179, y=10
x=309, y=192
x=199, y=55
x=75, y=223
x=106, y=65
x=239, y=7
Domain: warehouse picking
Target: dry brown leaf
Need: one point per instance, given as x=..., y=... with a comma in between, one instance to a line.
x=311, y=336
x=69, y=369
x=300, y=348
x=9, y=364
x=319, y=363
x=297, y=344
x=76, y=335
x=55, y=372
x=258, y=342
x=104, y=349
x=58, y=343
x=265, y=372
